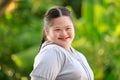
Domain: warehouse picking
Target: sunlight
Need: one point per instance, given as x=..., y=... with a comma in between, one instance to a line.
x=11, y=7
x=16, y=60
x=24, y=78
x=117, y=31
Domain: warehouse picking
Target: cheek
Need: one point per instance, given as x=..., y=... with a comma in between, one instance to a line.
x=72, y=33
x=53, y=34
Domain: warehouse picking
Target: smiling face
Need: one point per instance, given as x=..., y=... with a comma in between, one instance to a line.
x=61, y=31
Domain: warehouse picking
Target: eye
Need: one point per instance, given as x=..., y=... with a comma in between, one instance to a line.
x=57, y=29
x=68, y=28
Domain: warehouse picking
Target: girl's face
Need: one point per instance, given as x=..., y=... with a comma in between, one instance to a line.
x=61, y=31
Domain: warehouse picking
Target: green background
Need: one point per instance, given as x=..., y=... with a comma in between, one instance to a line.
x=97, y=26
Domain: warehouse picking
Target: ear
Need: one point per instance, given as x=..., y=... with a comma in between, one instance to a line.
x=45, y=31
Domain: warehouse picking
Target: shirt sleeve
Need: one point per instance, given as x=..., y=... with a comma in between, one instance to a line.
x=49, y=66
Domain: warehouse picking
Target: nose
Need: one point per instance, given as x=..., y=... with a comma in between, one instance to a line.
x=64, y=33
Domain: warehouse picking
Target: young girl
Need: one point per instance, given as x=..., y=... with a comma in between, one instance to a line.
x=57, y=59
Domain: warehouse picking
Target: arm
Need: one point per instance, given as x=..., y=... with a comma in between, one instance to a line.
x=50, y=62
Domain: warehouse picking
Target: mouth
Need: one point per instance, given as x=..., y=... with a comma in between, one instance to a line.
x=64, y=38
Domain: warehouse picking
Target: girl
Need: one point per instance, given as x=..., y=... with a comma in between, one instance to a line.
x=57, y=59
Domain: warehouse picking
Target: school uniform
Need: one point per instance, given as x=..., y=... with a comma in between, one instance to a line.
x=54, y=62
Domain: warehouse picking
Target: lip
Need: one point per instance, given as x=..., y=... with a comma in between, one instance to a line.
x=64, y=39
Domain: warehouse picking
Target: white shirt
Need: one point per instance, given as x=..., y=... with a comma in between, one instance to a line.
x=54, y=62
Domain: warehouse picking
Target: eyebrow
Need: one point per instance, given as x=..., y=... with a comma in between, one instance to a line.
x=65, y=26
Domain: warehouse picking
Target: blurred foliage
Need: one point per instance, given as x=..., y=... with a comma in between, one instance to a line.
x=97, y=25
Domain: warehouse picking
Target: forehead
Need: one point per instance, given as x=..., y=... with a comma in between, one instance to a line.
x=62, y=21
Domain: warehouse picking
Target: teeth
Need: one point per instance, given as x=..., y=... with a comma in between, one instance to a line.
x=64, y=38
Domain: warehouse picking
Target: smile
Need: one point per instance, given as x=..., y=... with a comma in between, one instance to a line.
x=64, y=39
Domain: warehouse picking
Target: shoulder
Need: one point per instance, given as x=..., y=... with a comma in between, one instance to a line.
x=51, y=54
x=80, y=55
x=51, y=48
x=54, y=49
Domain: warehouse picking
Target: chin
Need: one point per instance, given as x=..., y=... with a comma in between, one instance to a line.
x=65, y=45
